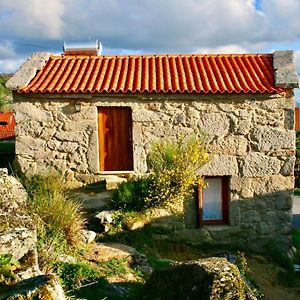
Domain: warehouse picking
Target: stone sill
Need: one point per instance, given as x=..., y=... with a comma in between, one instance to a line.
x=115, y=172
x=217, y=227
x=226, y=229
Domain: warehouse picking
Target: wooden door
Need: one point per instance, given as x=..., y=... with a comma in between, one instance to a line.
x=115, y=138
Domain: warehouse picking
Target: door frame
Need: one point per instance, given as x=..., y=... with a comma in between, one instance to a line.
x=101, y=139
x=225, y=203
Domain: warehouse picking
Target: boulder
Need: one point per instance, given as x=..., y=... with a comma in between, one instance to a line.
x=99, y=252
x=210, y=278
x=39, y=287
x=105, y=218
x=18, y=235
x=88, y=236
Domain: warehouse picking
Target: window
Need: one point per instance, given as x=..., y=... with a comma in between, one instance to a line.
x=212, y=201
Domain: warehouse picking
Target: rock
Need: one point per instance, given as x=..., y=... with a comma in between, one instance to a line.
x=112, y=182
x=135, y=225
x=66, y=259
x=259, y=165
x=265, y=138
x=214, y=124
x=231, y=144
x=39, y=287
x=210, y=278
x=27, y=111
x=220, y=165
x=28, y=70
x=88, y=236
x=108, y=251
x=285, y=72
x=105, y=218
x=18, y=241
x=13, y=194
x=18, y=235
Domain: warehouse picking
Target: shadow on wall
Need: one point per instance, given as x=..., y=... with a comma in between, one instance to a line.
x=7, y=154
x=6, y=161
x=259, y=224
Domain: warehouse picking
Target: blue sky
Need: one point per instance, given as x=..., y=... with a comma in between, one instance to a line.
x=149, y=26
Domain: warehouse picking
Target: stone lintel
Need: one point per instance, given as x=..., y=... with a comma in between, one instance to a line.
x=28, y=70
x=284, y=69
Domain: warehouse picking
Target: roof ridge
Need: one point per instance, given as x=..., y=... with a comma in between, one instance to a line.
x=52, y=56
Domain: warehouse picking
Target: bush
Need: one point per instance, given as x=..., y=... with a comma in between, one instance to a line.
x=131, y=195
x=174, y=172
x=175, y=169
x=59, y=219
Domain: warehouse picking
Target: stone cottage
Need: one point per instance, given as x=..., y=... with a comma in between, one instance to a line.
x=89, y=116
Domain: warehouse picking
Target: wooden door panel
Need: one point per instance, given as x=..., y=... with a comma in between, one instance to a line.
x=115, y=132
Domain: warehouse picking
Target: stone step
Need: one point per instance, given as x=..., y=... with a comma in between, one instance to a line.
x=92, y=200
x=113, y=181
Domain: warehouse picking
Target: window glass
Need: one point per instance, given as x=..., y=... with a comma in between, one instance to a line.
x=212, y=199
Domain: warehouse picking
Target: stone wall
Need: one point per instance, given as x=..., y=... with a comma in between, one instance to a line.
x=251, y=137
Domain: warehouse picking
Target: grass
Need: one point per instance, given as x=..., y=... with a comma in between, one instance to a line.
x=74, y=276
x=85, y=280
x=59, y=219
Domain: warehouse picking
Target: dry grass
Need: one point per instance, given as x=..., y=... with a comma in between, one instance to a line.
x=59, y=219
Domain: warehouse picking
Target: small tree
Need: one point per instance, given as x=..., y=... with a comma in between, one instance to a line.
x=174, y=167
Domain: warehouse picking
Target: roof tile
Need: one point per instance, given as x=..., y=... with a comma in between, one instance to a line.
x=194, y=73
x=7, y=125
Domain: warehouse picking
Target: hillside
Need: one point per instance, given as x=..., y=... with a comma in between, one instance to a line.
x=5, y=94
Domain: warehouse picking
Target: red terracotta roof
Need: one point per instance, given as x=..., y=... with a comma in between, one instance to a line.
x=7, y=125
x=195, y=73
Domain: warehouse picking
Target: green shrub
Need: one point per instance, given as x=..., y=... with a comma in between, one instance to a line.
x=175, y=167
x=131, y=195
x=174, y=172
x=5, y=94
x=59, y=219
x=73, y=276
x=113, y=267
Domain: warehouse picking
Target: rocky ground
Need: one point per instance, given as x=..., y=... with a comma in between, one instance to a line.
x=124, y=272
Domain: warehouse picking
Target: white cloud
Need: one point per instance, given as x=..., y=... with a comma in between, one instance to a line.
x=153, y=26
x=223, y=49
x=10, y=65
x=169, y=25
x=6, y=50
x=32, y=18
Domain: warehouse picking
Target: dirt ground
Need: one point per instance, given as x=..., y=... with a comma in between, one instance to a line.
x=265, y=275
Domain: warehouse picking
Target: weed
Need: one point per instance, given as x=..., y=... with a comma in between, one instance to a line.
x=73, y=276
x=131, y=195
x=159, y=263
x=8, y=266
x=242, y=263
x=113, y=267
x=59, y=219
